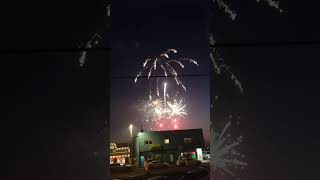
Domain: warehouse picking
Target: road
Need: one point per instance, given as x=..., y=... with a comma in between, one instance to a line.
x=172, y=173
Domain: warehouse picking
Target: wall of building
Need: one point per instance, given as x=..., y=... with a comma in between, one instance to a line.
x=176, y=139
x=171, y=151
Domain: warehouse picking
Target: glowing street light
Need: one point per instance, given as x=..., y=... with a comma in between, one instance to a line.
x=130, y=127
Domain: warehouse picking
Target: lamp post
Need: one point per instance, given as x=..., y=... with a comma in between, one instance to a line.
x=130, y=127
x=131, y=143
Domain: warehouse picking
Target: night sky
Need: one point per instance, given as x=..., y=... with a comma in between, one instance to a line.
x=55, y=111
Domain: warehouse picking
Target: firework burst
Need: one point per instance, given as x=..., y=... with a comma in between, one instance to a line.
x=165, y=62
x=177, y=108
x=224, y=153
x=163, y=113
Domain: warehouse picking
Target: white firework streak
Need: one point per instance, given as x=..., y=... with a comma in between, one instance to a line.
x=181, y=65
x=93, y=41
x=145, y=63
x=226, y=9
x=225, y=157
x=108, y=10
x=232, y=14
x=164, y=70
x=164, y=60
x=271, y=3
x=164, y=92
x=158, y=93
x=150, y=96
x=220, y=66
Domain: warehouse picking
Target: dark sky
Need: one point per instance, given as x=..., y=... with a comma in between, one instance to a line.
x=54, y=111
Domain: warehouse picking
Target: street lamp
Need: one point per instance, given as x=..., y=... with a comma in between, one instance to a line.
x=130, y=127
x=131, y=143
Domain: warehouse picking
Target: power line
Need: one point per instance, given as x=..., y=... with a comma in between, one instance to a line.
x=97, y=49
x=267, y=44
x=161, y=76
x=51, y=50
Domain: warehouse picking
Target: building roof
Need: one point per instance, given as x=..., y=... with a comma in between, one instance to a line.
x=174, y=131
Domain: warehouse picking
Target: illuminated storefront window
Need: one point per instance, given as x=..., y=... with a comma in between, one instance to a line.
x=121, y=160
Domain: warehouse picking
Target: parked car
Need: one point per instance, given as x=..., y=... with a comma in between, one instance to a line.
x=188, y=162
x=196, y=174
x=155, y=165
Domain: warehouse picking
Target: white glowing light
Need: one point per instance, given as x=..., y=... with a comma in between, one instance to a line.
x=130, y=127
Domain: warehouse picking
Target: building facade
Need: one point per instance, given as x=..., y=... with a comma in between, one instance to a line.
x=120, y=153
x=166, y=146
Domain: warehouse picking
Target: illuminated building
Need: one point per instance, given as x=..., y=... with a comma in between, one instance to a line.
x=119, y=153
x=167, y=146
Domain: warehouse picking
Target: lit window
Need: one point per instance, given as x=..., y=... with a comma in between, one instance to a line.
x=187, y=140
x=166, y=141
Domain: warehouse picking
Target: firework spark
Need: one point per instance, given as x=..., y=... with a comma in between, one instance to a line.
x=225, y=157
x=93, y=41
x=167, y=68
